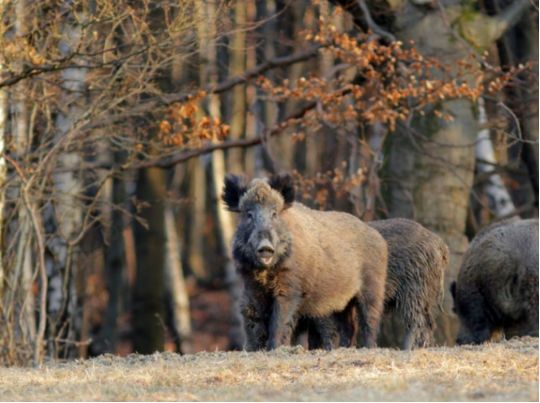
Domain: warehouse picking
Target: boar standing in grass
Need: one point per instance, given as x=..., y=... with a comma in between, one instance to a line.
x=296, y=261
x=417, y=260
x=497, y=286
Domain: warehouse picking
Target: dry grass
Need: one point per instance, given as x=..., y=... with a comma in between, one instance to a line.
x=498, y=371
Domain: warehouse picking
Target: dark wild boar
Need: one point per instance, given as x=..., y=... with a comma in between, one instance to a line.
x=497, y=285
x=296, y=261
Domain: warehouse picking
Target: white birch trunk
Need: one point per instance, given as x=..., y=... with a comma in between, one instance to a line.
x=500, y=201
x=68, y=209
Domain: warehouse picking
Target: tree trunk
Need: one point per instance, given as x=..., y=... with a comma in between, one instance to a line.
x=64, y=298
x=148, y=310
x=22, y=275
x=4, y=105
x=263, y=113
x=256, y=109
x=114, y=269
x=238, y=66
x=519, y=46
x=209, y=74
x=500, y=202
x=196, y=220
x=176, y=287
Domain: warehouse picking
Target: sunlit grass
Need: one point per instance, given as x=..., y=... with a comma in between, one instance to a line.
x=496, y=371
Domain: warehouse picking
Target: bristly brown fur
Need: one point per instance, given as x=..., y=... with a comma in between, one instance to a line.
x=328, y=259
x=260, y=192
x=417, y=260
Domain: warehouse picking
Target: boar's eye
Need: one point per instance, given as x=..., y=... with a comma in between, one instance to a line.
x=250, y=215
x=274, y=214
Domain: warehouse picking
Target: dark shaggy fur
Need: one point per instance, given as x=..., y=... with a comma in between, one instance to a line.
x=298, y=262
x=417, y=260
x=497, y=286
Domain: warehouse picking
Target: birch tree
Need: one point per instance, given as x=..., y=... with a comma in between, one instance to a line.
x=68, y=210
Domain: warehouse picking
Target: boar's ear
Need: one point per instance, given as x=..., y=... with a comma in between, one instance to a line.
x=284, y=184
x=233, y=189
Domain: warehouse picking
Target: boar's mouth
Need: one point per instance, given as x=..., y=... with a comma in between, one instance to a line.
x=265, y=253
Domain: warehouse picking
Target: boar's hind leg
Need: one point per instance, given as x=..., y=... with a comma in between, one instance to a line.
x=347, y=324
x=370, y=307
x=282, y=321
x=420, y=326
x=301, y=326
x=322, y=333
x=369, y=318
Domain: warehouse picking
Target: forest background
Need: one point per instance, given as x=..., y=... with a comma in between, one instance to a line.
x=119, y=120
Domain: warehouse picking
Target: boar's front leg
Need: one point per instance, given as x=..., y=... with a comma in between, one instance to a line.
x=256, y=308
x=283, y=320
x=255, y=327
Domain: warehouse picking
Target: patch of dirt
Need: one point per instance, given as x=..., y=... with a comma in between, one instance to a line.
x=492, y=372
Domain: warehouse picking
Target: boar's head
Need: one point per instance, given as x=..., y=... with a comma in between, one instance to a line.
x=262, y=238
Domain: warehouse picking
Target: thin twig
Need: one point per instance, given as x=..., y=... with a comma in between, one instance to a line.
x=372, y=24
x=169, y=99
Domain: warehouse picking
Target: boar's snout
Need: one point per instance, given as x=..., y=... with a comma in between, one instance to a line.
x=265, y=252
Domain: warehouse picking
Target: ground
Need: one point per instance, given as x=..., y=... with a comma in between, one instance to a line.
x=496, y=371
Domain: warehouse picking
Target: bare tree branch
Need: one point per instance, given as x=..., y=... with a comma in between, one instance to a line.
x=220, y=88
x=244, y=143
x=372, y=24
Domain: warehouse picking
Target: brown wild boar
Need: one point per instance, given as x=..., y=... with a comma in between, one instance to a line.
x=497, y=285
x=296, y=261
x=417, y=260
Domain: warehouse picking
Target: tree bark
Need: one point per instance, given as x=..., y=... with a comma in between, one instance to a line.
x=196, y=221
x=64, y=298
x=175, y=286
x=519, y=46
x=224, y=217
x=23, y=272
x=255, y=109
x=114, y=269
x=148, y=310
x=238, y=67
x=499, y=199
x=4, y=105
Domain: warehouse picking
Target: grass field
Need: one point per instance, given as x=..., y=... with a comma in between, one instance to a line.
x=497, y=371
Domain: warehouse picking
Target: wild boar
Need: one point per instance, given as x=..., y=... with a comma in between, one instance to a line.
x=417, y=260
x=296, y=261
x=497, y=285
